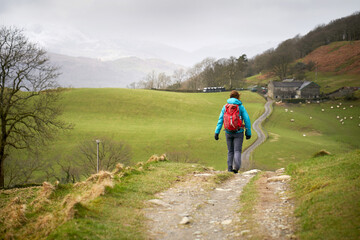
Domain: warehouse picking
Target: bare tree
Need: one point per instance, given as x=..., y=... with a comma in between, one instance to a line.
x=68, y=167
x=21, y=169
x=28, y=99
x=110, y=153
x=179, y=76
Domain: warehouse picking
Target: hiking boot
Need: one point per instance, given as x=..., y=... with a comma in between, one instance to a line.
x=235, y=171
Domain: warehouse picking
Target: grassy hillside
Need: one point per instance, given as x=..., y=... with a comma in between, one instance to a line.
x=337, y=65
x=327, y=192
x=294, y=141
x=105, y=206
x=180, y=124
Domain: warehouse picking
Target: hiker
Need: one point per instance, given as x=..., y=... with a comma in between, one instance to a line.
x=234, y=132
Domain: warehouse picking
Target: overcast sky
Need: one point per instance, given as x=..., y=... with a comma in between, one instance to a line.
x=65, y=26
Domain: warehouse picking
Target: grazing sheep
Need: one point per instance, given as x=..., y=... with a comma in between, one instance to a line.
x=286, y=110
x=351, y=118
x=332, y=106
x=344, y=118
x=340, y=104
x=292, y=120
x=351, y=105
x=344, y=108
x=310, y=117
x=304, y=135
x=342, y=122
x=291, y=111
x=337, y=116
x=322, y=110
x=337, y=106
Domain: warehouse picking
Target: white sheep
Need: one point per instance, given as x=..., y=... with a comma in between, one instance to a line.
x=351, y=118
x=351, y=105
x=337, y=117
x=292, y=120
x=342, y=122
x=310, y=117
x=344, y=108
x=337, y=106
x=344, y=118
x=332, y=106
x=322, y=110
x=304, y=135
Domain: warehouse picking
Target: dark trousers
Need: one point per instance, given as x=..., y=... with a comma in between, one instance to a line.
x=234, y=143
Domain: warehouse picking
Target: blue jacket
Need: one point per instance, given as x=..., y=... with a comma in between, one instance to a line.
x=243, y=114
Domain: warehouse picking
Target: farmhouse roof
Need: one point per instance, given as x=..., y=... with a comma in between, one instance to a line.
x=288, y=84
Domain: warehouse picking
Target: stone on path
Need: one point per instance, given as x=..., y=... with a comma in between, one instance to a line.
x=226, y=222
x=185, y=220
x=252, y=172
x=279, y=178
x=159, y=202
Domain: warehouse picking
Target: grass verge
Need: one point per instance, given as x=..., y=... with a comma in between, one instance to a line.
x=248, y=200
x=105, y=206
x=327, y=190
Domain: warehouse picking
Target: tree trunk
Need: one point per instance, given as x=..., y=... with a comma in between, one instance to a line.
x=2, y=177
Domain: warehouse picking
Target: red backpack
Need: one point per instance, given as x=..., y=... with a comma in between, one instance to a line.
x=232, y=120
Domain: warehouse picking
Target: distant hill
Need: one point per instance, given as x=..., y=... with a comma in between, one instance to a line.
x=337, y=57
x=81, y=72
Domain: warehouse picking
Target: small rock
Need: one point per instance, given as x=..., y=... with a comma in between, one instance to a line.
x=224, y=190
x=226, y=222
x=252, y=172
x=203, y=175
x=212, y=201
x=184, y=221
x=279, y=178
x=197, y=233
x=244, y=232
x=280, y=170
x=159, y=202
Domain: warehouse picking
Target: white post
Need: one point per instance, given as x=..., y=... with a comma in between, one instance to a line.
x=97, y=155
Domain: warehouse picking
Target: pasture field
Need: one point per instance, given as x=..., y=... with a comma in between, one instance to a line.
x=151, y=122
x=311, y=131
x=327, y=196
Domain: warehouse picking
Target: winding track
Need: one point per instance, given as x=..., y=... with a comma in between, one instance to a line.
x=245, y=156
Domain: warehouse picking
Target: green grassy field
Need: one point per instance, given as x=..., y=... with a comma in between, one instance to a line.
x=330, y=82
x=151, y=122
x=290, y=142
x=327, y=192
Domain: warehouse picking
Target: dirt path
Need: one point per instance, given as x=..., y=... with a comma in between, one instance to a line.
x=245, y=156
x=190, y=211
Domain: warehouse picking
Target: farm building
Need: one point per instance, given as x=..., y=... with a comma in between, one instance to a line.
x=289, y=89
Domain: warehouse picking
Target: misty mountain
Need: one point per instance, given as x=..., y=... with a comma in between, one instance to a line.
x=82, y=72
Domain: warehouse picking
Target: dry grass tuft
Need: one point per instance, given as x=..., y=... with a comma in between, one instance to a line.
x=156, y=158
x=118, y=168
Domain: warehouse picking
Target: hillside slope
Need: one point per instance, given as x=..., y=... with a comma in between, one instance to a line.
x=338, y=57
x=337, y=65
